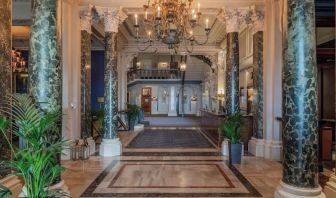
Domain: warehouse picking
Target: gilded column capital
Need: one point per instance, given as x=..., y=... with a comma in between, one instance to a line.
x=113, y=17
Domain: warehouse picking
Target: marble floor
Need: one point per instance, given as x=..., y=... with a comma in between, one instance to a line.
x=171, y=176
x=173, y=172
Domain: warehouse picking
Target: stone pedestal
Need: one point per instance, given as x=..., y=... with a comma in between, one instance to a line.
x=288, y=191
x=110, y=147
x=256, y=147
x=330, y=188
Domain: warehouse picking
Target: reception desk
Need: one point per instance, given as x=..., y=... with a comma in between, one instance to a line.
x=210, y=126
x=210, y=122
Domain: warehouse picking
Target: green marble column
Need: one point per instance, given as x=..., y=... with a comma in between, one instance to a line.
x=45, y=73
x=111, y=86
x=231, y=18
x=86, y=120
x=300, y=107
x=258, y=80
x=5, y=62
x=113, y=18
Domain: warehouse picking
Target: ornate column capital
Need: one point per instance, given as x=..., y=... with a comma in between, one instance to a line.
x=128, y=58
x=86, y=19
x=113, y=17
x=230, y=16
x=257, y=21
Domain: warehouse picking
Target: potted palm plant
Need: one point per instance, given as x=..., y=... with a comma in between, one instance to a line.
x=36, y=162
x=132, y=115
x=230, y=128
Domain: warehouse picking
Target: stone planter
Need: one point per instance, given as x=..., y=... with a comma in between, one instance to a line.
x=225, y=148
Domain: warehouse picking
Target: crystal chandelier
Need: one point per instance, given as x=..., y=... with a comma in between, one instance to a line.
x=171, y=22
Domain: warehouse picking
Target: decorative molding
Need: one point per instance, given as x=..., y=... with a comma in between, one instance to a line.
x=113, y=17
x=234, y=17
x=86, y=19
x=231, y=18
x=257, y=21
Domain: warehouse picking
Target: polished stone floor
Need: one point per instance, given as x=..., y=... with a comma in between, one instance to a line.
x=171, y=176
x=171, y=172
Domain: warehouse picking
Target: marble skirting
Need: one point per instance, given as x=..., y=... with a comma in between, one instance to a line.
x=157, y=178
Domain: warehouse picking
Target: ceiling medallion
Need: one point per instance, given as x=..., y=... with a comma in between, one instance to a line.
x=171, y=22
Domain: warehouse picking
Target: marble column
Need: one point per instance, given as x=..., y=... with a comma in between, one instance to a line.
x=5, y=61
x=231, y=19
x=258, y=103
x=300, y=107
x=111, y=146
x=86, y=120
x=256, y=20
x=45, y=73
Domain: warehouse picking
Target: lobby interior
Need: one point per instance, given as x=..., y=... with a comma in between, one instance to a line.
x=145, y=90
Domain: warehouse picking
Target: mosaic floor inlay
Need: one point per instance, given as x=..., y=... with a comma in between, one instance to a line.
x=170, y=179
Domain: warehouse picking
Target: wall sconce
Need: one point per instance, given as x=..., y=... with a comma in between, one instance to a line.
x=193, y=98
x=154, y=98
x=183, y=66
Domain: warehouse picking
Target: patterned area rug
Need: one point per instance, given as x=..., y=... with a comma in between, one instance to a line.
x=174, y=121
x=164, y=138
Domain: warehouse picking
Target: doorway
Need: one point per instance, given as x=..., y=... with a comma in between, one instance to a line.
x=146, y=100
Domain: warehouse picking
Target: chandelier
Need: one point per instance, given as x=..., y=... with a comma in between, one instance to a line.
x=171, y=22
x=19, y=64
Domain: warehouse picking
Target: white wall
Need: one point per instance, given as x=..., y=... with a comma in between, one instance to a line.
x=162, y=92
x=71, y=70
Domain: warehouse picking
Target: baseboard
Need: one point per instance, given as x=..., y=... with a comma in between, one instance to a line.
x=256, y=147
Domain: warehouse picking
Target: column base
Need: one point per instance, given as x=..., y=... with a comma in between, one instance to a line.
x=59, y=186
x=330, y=188
x=288, y=191
x=139, y=127
x=256, y=147
x=273, y=151
x=225, y=148
x=110, y=147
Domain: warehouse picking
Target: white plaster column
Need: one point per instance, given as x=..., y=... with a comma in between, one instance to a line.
x=172, y=102
x=273, y=77
x=113, y=17
x=71, y=75
x=124, y=63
